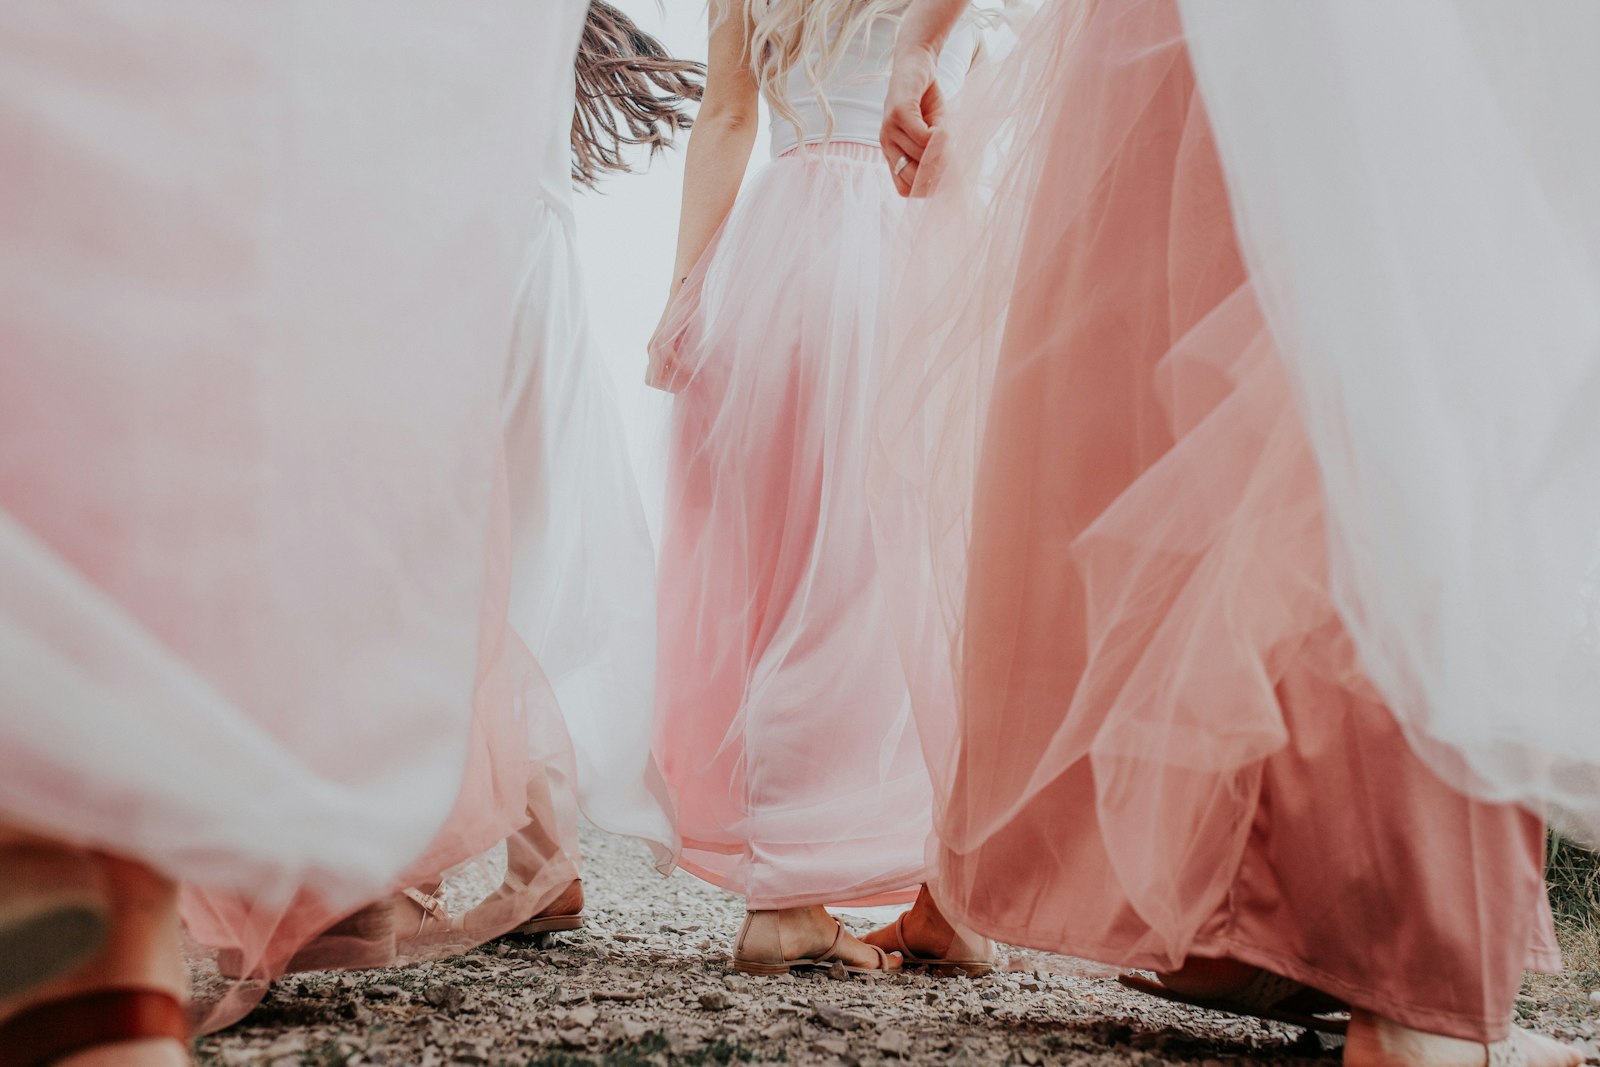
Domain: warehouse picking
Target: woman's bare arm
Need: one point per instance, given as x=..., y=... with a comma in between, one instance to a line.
x=720, y=145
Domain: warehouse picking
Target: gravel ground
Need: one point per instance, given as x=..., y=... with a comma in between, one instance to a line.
x=647, y=983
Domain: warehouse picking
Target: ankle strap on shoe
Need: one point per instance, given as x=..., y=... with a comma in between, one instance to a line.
x=49, y=1032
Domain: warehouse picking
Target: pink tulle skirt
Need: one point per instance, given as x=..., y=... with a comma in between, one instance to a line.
x=1102, y=528
x=783, y=719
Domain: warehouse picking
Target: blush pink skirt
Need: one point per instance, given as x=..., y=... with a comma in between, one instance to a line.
x=783, y=720
x=1103, y=537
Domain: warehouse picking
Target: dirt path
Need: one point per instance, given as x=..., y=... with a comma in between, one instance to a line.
x=646, y=983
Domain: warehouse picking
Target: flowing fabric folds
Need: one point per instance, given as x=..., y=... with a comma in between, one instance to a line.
x=1415, y=183
x=583, y=576
x=1103, y=532
x=783, y=720
x=256, y=301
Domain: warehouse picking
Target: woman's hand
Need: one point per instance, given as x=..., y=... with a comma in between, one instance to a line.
x=664, y=371
x=913, y=108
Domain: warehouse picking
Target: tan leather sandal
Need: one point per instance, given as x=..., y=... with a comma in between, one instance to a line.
x=1265, y=996
x=54, y=914
x=559, y=916
x=363, y=940
x=759, y=950
x=970, y=954
x=49, y=1032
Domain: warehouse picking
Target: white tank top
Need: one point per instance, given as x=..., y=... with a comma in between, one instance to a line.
x=856, y=90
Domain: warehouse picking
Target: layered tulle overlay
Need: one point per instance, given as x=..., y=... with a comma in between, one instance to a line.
x=583, y=581
x=1103, y=532
x=258, y=286
x=783, y=721
x=1434, y=169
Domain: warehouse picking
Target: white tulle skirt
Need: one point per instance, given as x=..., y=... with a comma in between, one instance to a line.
x=583, y=568
x=1415, y=186
x=783, y=719
x=256, y=300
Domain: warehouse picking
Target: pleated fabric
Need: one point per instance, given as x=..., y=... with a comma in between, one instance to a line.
x=783, y=720
x=1103, y=534
x=258, y=287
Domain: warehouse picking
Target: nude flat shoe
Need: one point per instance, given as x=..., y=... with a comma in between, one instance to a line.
x=758, y=950
x=551, y=922
x=1265, y=996
x=54, y=914
x=970, y=954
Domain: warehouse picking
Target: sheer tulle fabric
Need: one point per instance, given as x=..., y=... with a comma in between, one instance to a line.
x=1432, y=165
x=255, y=534
x=1101, y=522
x=783, y=721
x=583, y=581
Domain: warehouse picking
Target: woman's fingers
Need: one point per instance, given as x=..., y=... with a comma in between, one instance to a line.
x=904, y=158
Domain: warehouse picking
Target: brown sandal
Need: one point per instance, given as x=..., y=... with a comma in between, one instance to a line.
x=553, y=921
x=47, y=1033
x=760, y=951
x=969, y=954
x=54, y=915
x=1265, y=996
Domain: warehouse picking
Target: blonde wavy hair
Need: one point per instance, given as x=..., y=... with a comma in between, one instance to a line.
x=811, y=35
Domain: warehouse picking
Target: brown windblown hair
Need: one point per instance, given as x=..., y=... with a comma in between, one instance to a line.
x=630, y=92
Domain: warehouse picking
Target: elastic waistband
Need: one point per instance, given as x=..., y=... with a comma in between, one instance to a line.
x=860, y=151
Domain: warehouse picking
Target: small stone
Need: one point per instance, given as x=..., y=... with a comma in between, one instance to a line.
x=446, y=998
x=894, y=1043
x=573, y=1038
x=288, y=1045
x=838, y=971
x=835, y=1046
x=383, y=992
x=1594, y=998
x=1030, y=985
x=736, y=983
x=634, y=1029
x=835, y=1018
x=1031, y=1057
x=627, y=937
x=714, y=1000
x=579, y=1018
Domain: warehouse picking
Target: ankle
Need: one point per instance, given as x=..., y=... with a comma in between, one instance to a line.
x=925, y=928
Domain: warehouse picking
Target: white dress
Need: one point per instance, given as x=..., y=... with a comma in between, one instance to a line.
x=256, y=304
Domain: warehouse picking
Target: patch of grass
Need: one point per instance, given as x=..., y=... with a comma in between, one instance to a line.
x=718, y=1052
x=1572, y=873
